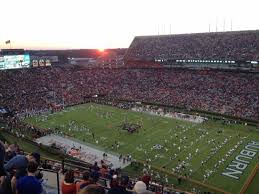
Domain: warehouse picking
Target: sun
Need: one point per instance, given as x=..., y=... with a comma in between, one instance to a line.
x=101, y=50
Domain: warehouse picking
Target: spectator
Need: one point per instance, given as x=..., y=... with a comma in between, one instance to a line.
x=95, y=167
x=84, y=182
x=114, y=181
x=68, y=186
x=94, y=177
x=141, y=188
x=17, y=166
x=146, y=178
x=172, y=87
x=2, y=171
x=2, y=158
x=242, y=45
x=20, y=162
x=122, y=187
x=103, y=171
x=92, y=189
x=29, y=184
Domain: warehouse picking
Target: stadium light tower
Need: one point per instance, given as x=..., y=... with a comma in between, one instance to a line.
x=217, y=24
x=224, y=24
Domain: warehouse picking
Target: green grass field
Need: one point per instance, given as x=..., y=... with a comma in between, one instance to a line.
x=180, y=140
x=254, y=186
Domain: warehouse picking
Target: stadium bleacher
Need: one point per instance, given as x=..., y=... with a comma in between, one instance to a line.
x=239, y=46
x=30, y=91
x=229, y=93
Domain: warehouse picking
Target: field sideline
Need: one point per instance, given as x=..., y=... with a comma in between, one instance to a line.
x=176, y=146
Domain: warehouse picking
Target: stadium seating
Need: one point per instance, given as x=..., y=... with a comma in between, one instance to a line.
x=48, y=167
x=230, y=93
x=238, y=46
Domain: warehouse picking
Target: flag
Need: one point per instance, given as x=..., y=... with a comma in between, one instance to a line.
x=8, y=42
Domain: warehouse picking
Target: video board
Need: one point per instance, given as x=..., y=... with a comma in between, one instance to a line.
x=14, y=61
x=41, y=61
x=2, y=62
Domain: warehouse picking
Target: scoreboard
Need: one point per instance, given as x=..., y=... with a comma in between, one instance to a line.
x=41, y=61
x=26, y=61
x=14, y=61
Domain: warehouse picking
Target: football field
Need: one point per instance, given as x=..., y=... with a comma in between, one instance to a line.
x=213, y=153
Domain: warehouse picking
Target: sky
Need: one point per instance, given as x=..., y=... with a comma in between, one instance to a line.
x=74, y=24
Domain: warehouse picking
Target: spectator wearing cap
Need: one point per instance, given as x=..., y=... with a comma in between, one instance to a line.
x=29, y=184
x=20, y=162
x=92, y=189
x=121, y=188
x=141, y=188
x=68, y=186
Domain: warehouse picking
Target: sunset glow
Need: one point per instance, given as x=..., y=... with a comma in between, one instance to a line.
x=66, y=24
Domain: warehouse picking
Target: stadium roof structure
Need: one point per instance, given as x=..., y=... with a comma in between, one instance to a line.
x=12, y=51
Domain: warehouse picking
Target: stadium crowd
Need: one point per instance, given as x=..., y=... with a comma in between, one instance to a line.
x=22, y=174
x=19, y=172
x=239, y=46
x=29, y=91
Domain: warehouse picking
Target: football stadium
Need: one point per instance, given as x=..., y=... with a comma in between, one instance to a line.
x=190, y=124
x=170, y=114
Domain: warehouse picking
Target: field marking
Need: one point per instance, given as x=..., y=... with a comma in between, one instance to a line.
x=155, y=131
x=188, y=179
x=201, y=166
x=185, y=150
x=152, y=134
